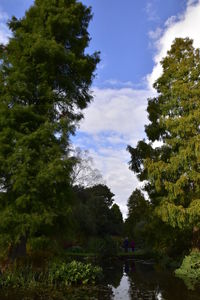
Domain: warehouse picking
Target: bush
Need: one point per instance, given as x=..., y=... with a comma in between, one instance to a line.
x=74, y=273
x=75, y=249
x=21, y=277
x=40, y=243
x=57, y=274
x=189, y=271
x=105, y=247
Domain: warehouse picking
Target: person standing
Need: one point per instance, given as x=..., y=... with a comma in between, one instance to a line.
x=126, y=244
x=132, y=245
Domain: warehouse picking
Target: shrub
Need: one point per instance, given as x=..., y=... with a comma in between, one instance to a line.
x=74, y=273
x=75, y=249
x=21, y=277
x=40, y=243
x=104, y=247
x=57, y=274
x=189, y=271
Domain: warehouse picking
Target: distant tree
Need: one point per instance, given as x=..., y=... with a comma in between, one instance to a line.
x=83, y=171
x=45, y=76
x=103, y=193
x=116, y=220
x=100, y=201
x=172, y=170
x=92, y=211
x=139, y=214
x=137, y=205
x=148, y=230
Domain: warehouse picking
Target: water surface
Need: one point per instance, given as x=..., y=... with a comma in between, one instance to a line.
x=123, y=280
x=135, y=280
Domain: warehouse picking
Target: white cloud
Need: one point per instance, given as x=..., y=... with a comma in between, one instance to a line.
x=117, y=116
x=151, y=12
x=3, y=16
x=154, y=35
x=4, y=31
x=114, y=167
x=118, y=83
x=192, y=2
x=184, y=25
x=115, y=119
x=117, y=110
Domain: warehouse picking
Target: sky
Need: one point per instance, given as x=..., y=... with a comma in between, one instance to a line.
x=132, y=36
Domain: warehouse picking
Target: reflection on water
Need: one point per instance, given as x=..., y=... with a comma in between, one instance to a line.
x=122, y=291
x=123, y=280
x=139, y=280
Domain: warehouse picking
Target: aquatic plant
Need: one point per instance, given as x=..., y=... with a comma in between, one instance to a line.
x=74, y=272
x=57, y=274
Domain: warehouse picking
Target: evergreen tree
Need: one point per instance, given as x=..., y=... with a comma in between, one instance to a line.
x=173, y=169
x=100, y=202
x=45, y=77
x=137, y=206
x=93, y=212
x=139, y=216
x=116, y=219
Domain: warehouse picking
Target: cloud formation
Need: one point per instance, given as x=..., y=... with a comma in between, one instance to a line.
x=184, y=25
x=115, y=119
x=117, y=116
x=4, y=31
x=117, y=110
x=151, y=12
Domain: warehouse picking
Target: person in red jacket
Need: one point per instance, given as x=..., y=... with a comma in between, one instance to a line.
x=132, y=245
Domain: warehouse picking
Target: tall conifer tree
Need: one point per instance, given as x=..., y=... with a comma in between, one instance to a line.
x=45, y=76
x=172, y=170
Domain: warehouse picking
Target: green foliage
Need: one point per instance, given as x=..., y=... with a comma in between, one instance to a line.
x=22, y=277
x=40, y=243
x=103, y=193
x=103, y=247
x=137, y=205
x=45, y=77
x=94, y=214
x=171, y=172
x=189, y=271
x=58, y=274
x=139, y=217
x=153, y=235
x=74, y=273
x=75, y=249
x=116, y=220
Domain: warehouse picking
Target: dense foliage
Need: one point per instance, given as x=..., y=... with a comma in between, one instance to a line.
x=171, y=171
x=74, y=273
x=45, y=77
x=190, y=269
x=57, y=274
x=95, y=213
x=139, y=215
x=55, y=201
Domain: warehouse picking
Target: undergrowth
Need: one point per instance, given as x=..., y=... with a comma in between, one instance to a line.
x=189, y=271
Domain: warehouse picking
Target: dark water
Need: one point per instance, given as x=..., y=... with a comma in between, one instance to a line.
x=140, y=280
x=123, y=280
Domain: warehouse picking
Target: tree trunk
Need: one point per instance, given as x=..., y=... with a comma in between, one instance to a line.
x=14, y=252
x=18, y=250
x=196, y=238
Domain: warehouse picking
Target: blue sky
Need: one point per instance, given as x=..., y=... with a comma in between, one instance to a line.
x=132, y=36
x=120, y=31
